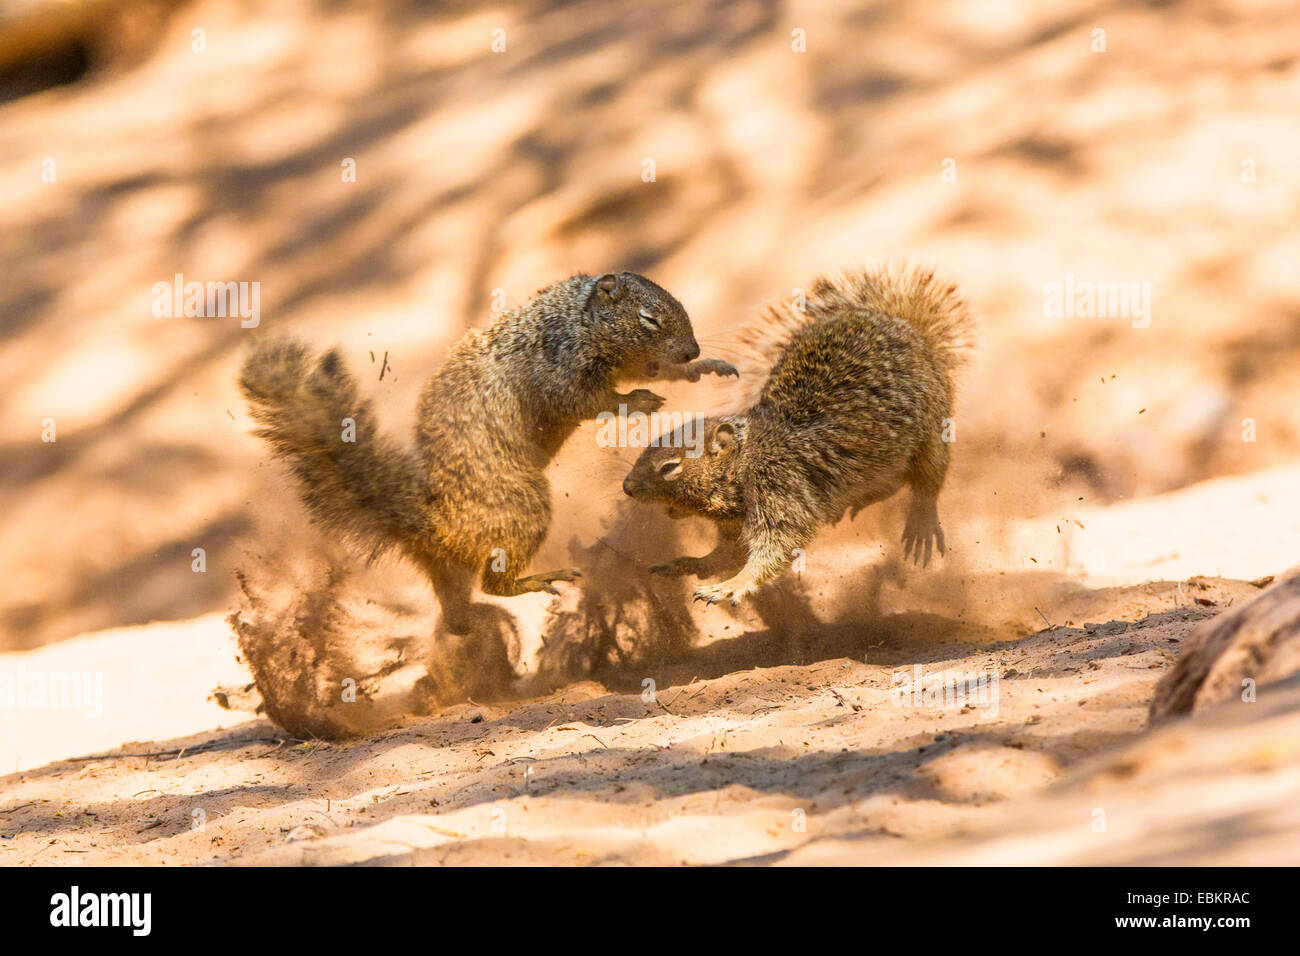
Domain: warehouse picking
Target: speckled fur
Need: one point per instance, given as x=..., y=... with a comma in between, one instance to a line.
x=470, y=499
x=852, y=411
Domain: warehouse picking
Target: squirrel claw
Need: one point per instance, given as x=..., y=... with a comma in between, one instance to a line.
x=919, y=545
x=726, y=591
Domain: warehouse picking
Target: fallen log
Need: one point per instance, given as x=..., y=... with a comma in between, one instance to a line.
x=1233, y=655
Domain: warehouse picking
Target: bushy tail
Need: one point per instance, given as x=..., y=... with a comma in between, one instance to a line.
x=930, y=305
x=354, y=480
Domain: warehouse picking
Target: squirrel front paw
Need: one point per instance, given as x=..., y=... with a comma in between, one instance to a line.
x=710, y=367
x=689, y=371
x=735, y=590
x=642, y=400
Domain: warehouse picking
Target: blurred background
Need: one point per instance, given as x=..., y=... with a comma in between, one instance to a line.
x=381, y=169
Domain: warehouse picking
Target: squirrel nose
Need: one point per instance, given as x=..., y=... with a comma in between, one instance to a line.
x=629, y=487
x=691, y=353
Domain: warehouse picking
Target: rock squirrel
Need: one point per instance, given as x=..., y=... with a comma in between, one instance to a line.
x=855, y=407
x=470, y=499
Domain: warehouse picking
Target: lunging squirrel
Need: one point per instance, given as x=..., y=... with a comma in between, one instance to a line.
x=471, y=499
x=854, y=408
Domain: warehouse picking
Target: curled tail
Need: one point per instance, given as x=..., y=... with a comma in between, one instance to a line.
x=353, y=480
x=930, y=305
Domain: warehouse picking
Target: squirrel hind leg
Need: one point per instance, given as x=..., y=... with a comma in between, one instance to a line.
x=922, y=535
x=503, y=573
x=454, y=585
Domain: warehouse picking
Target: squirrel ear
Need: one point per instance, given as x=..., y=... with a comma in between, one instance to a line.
x=723, y=437
x=611, y=285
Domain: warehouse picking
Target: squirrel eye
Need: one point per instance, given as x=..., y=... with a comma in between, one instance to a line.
x=649, y=319
x=670, y=468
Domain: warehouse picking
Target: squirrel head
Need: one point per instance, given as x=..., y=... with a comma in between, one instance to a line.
x=647, y=322
x=693, y=469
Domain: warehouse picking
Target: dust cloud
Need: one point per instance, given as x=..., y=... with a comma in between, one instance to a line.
x=340, y=646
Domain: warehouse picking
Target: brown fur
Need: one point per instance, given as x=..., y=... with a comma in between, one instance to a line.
x=470, y=499
x=853, y=410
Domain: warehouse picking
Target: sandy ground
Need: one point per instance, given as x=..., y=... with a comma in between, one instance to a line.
x=740, y=755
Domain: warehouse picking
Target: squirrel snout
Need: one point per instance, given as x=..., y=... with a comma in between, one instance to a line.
x=690, y=353
x=630, y=487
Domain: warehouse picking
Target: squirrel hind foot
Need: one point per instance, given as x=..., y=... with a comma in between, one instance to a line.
x=922, y=537
x=542, y=581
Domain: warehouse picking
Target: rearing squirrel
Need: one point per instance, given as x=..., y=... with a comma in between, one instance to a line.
x=470, y=499
x=854, y=408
